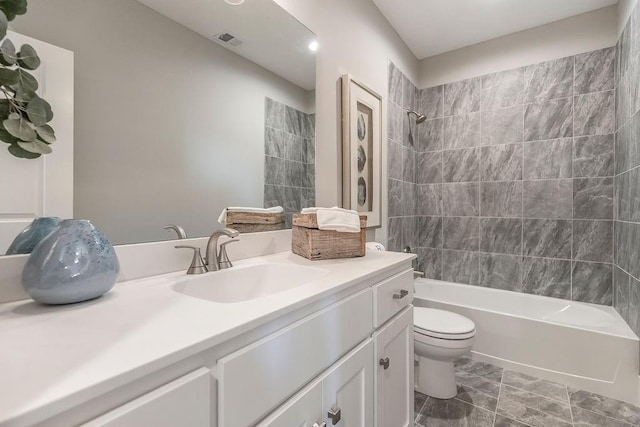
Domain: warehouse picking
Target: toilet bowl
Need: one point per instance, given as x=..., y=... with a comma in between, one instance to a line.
x=440, y=338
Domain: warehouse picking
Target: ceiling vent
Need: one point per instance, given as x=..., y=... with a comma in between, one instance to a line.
x=228, y=39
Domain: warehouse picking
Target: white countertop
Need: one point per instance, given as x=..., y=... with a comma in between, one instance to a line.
x=54, y=357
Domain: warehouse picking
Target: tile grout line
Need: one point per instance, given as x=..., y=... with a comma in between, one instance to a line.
x=573, y=132
x=570, y=407
x=495, y=414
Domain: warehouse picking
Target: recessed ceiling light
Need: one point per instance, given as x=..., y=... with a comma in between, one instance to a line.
x=234, y=2
x=313, y=46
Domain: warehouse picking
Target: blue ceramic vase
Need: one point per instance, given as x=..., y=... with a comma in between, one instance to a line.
x=74, y=263
x=33, y=234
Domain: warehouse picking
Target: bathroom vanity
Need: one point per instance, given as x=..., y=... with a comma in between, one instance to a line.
x=335, y=348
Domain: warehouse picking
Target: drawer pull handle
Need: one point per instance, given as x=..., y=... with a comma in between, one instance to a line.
x=403, y=293
x=335, y=414
x=385, y=363
x=320, y=425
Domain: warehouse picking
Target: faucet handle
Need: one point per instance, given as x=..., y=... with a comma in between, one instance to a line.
x=197, y=263
x=223, y=258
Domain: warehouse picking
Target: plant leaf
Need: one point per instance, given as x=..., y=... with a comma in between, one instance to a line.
x=46, y=134
x=36, y=146
x=14, y=7
x=4, y=24
x=20, y=129
x=22, y=154
x=24, y=95
x=25, y=81
x=39, y=111
x=8, y=77
x=28, y=57
x=7, y=53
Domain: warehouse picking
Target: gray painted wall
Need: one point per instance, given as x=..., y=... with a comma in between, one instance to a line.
x=169, y=126
x=510, y=182
x=627, y=225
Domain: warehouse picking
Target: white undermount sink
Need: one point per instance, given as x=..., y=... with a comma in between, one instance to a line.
x=244, y=283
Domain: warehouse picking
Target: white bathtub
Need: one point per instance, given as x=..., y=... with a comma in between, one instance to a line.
x=582, y=345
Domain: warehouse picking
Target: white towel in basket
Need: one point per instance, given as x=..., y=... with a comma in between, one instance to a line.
x=336, y=219
x=222, y=219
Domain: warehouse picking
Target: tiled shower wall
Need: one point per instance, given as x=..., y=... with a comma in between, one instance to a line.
x=513, y=177
x=627, y=181
x=289, y=165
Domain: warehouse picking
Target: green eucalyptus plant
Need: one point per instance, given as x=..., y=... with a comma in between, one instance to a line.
x=23, y=114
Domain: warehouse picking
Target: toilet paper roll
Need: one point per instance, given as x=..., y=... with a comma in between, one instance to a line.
x=375, y=246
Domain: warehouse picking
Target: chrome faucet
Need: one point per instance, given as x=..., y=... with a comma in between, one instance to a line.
x=214, y=258
x=178, y=229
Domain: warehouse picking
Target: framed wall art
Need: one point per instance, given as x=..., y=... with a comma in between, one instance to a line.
x=361, y=150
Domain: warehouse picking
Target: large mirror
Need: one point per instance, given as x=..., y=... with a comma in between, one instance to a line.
x=180, y=109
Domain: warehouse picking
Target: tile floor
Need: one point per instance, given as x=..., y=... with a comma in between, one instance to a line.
x=491, y=396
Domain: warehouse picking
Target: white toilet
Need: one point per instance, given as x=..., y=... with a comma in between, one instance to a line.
x=440, y=338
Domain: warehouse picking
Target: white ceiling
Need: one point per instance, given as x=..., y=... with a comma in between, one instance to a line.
x=273, y=38
x=430, y=27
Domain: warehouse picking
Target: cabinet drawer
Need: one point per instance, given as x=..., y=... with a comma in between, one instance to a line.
x=392, y=295
x=268, y=371
x=183, y=402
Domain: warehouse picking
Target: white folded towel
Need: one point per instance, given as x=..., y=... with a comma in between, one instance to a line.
x=222, y=219
x=336, y=219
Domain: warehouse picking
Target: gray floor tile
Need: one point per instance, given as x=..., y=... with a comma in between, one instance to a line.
x=419, y=401
x=535, y=385
x=477, y=398
x=507, y=422
x=605, y=406
x=549, y=407
x=583, y=418
x=519, y=411
x=487, y=370
x=478, y=382
x=453, y=413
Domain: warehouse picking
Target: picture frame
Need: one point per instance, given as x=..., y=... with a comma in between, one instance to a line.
x=362, y=150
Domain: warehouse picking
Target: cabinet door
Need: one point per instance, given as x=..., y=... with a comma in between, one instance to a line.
x=183, y=402
x=347, y=389
x=302, y=410
x=394, y=378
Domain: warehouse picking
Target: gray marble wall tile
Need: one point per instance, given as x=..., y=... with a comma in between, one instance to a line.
x=410, y=225
x=622, y=194
x=430, y=263
x=409, y=166
x=634, y=250
x=429, y=199
x=622, y=242
x=274, y=168
x=274, y=114
x=625, y=45
x=594, y=114
x=503, y=126
x=461, y=233
x=594, y=71
x=548, y=277
x=294, y=173
x=410, y=94
x=548, y=159
x=410, y=132
x=274, y=143
x=395, y=122
x=500, y=271
x=394, y=160
x=395, y=204
x=292, y=122
x=460, y=199
x=409, y=198
x=501, y=199
x=592, y=282
x=501, y=162
x=502, y=89
x=593, y=241
x=394, y=234
x=593, y=156
x=634, y=194
x=547, y=199
x=430, y=232
x=460, y=267
x=621, y=295
x=593, y=198
x=462, y=97
x=295, y=148
x=431, y=135
x=308, y=175
x=273, y=195
x=311, y=150
x=431, y=102
x=547, y=238
x=623, y=142
x=549, y=80
x=461, y=165
x=624, y=100
x=462, y=131
x=307, y=198
x=430, y=167
x=501, y=235
x=548, y=120
x=395, y=84
x=634, y=306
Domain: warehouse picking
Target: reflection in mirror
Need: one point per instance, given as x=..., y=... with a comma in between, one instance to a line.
x=180, y=109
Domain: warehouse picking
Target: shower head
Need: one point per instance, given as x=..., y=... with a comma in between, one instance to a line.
x=420, y=118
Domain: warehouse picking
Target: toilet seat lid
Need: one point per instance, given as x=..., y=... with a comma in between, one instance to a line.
x=441, y=322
